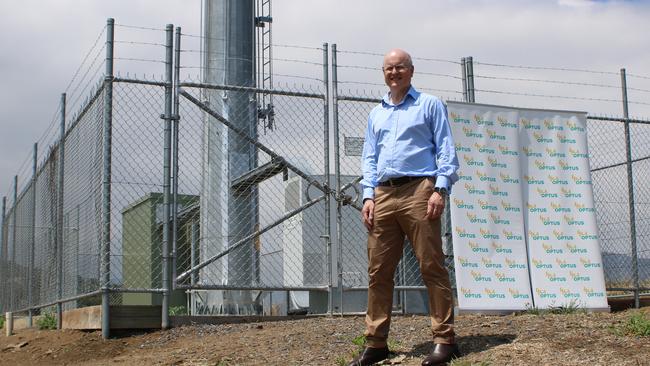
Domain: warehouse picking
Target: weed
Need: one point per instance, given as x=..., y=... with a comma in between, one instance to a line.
x=341, y=361
x=2, y=321
x=638, y=324
x=572, y=307
x=47, y=321
x=177, y=310
x=457, y=362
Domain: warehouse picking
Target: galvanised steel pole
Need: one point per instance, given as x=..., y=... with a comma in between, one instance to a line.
x=4, y=261
x=630, y=191
x=166, y=284
x=328, y=213
x=32, y=242
x=463, y=68
x=13, y=245
x=176, y=118
x=470, y=79
x=337, y=172
x=59, y=212
x=105, y=269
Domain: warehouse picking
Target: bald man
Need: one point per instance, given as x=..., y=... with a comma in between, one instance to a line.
x=409, y=165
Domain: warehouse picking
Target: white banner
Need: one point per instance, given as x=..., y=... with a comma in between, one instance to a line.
x=524, y=178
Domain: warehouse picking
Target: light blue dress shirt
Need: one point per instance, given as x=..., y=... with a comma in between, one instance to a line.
x=412, y=138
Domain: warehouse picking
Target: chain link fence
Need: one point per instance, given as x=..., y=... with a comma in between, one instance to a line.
x=223, y=207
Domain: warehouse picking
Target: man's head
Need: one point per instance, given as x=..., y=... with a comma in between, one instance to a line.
x=398, y=70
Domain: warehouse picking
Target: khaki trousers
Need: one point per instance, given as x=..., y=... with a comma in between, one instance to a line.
x=401, y=211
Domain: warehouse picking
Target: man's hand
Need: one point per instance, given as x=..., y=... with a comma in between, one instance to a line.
x=368, y=213
x=435, y=206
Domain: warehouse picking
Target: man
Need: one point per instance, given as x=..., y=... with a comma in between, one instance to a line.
x=409, y=165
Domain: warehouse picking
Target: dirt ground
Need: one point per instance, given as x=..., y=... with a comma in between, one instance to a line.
x=525, y=339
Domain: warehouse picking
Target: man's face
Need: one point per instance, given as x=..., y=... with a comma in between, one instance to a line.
x=398, y=71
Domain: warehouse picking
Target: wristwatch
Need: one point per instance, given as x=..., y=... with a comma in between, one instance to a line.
x=441, y=190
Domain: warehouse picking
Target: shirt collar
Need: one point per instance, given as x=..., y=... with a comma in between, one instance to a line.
x=410, y=93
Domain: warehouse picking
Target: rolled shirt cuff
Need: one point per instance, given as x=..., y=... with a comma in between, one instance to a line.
x=442, y=182
x=368, y=192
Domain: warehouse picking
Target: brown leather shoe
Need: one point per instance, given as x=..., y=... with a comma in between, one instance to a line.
x=441, y=354
x=370, y=356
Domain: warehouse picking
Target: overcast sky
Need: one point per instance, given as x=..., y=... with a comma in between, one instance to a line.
x=43, y=42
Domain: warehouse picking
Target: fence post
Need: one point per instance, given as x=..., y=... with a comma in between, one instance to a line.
x=59, y=212
x=463, y=68
x=166, y=177
x=630, y=191
x=328, y=213
x=105, y=253
x=13, y=246
x=175, y=119
x=4, y=262
x=469, y=62
x=32, y=242
x=337, y=172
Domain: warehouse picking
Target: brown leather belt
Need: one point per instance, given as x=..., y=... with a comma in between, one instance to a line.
x=396, y=182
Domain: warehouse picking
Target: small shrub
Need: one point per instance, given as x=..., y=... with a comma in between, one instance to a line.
x=341, y=361
x=2, y=321
x=177, y=310
x=573, y=307
x=47, y=321
x=638, y=324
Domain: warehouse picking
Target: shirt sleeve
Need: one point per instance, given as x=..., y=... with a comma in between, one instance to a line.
x=369, y=162
x=446, y=159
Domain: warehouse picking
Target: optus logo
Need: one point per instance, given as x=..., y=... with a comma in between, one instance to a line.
x=571, y=221
x=483, y=177
x=547, y=221
x=568, y=294
x=486, y=234
x=468, y=294
x=503, y=122
x=559, y=235
x=539, y=137
x=558, y=208
x=496, y=164
x=543, y=193
x=477, y=248
x=579, y=277
x=586, y=236
x=550, y=125
x=494, y=135
x=541, y=165
x=591, y=293
x=482, y=148
x=498, y=220
x=536, y=236
x=569, y=193
x=531, y=153
x=493, y=294
x=574, y=249
x=577, y=154
x=587, y=263
x=505, y=151
x=554, y=277
x=537, y=263
x=574, y=126
x=565, y=140
x=458, y=119
x=469, y=132
x=487, y=262
x=461, y=148
x=529, y=125
x=514, y=265
x=476, y=220
x=566, y=166
x=479, y=277
x=502, y=277
x=485, y=205
x=482, y=122
x=564, y=264
x=510, y=236
x=544, y=294
x=470, y=161
x=464, y=234
x=554, y=154
x=462, y=204
x=549, y=249
x=471, y=189
x=498, y=248
x=532, y=180
x=508, y=207
x=579, y=180
x=516, y=294
x=465, y=263
x=581, y=207
x=557, y=181
x=497, y=192
x=505, y=178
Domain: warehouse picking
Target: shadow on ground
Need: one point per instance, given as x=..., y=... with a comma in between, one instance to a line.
x=467, y=344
